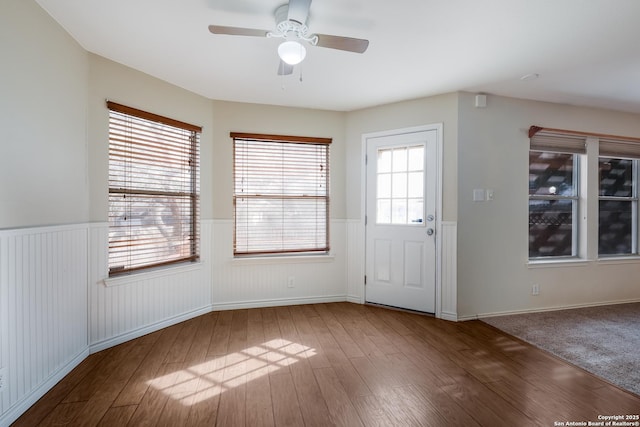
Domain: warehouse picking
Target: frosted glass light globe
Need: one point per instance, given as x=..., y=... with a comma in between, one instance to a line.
x=292, y=52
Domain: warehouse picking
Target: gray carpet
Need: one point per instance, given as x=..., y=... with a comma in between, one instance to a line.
x=603, y=340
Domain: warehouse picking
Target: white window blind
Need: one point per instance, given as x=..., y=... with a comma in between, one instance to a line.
x=558, y=143
x=619, y=148
x=153, y=190
x=281, y=194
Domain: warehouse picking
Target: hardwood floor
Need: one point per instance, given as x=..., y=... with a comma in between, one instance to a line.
x=328, y=364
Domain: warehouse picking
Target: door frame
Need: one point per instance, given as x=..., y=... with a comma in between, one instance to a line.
x=438, y=127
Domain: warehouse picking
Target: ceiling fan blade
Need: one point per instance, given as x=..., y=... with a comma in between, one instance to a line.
x=237, y=31
x=284, y=69
x=342, y=43
x=299, y=10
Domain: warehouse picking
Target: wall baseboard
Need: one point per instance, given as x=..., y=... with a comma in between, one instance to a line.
x=278, y=302
x=355, y=299
x=30, y=399
x=545, y=309
x=136, y=333
x=452, y=317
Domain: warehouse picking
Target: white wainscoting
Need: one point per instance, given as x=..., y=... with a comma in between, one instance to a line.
x=263, y=281
x=132, y=306
x=449, y=269
x=43, y=311
x=355, y=261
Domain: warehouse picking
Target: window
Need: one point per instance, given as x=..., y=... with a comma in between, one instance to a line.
x=618, y=197
x=617, y=206
x=553, y=195
x=400, y=198
x=153, y=190
x=611, y=164
x=281, y=194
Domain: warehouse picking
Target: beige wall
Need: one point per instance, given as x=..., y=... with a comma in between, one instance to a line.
x=113, y=81
x=253, y=118
x=43, y=104
x=437, y=109
x=493, y=271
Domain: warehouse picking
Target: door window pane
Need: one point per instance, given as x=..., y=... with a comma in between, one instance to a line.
x=400, y=193
x=416, y=158
x=399, y=211
x=415, y=210
x=383, y=215
x=400, y=159
x=415, y=184
x=399, y=184
x=384, y=186
x=384, y=161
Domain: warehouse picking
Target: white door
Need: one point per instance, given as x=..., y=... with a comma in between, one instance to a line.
x=401, y=220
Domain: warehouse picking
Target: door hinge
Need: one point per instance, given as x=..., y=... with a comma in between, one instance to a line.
x=366, y=159
x=365, y=220
x=365, y=280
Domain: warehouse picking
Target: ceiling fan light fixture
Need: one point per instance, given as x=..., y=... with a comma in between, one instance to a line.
x=292, y=52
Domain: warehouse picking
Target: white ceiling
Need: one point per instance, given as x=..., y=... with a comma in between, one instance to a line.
x=586, y=52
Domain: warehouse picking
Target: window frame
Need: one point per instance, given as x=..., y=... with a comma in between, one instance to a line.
x=575, y=207
x=190, y=189
x=323, y=143
x=633, y=200
x=597, y=146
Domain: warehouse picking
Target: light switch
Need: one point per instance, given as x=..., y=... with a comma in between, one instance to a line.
x=490, y=195
x=478, y=195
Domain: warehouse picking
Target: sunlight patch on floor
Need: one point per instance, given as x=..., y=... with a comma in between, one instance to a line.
x=203, y=381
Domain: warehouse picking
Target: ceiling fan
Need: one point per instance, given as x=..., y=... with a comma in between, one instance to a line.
x=291, y=26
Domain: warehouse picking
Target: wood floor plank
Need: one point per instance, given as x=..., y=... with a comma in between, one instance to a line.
x=344, y=340
x=138, y=384
x=220, y=338
x=358, y=334
x=203, y=409
x=349, y=376
x=449, y=411
x=326, y=364
x=416, y=408
x=482, y=404
x=312, y=405
x=259, y=406
x=93, y=381
x=231, y=409
x=371, y=412
x=307, y=337
x=117, y=416
x=286, y=409
x=104, y=397
x=63, y=414
x=48, y=403
x=342, y=411
x=195, y=341
x=183, y=341
x=159, y=391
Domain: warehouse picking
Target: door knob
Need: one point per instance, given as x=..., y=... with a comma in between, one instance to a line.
x=429, y=231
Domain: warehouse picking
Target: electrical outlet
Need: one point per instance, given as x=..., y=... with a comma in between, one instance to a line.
x=291, y=282
x=535, y=289
x=3, y=379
